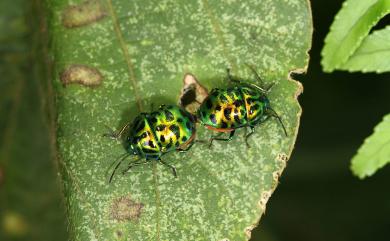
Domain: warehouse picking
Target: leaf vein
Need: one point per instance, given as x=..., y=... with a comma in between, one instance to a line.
x=158, y=200
x=218, y=31
x=89, y=206
x=125, y=51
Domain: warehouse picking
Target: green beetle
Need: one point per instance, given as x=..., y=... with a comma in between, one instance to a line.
x=241, y=106
x=152, y=135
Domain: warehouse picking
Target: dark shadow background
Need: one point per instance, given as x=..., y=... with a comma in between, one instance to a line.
x=318, y=198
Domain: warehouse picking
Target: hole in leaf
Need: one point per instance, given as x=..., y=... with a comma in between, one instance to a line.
x=192, y=93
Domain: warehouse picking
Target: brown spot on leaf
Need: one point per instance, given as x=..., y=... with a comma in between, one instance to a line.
x=282, y=157
x=118, y=234
x=276, y=175
x=81, y=74
x=126, y=209
x=264, y=199
x=192, y=93
x=85, y=13
x=248, y=231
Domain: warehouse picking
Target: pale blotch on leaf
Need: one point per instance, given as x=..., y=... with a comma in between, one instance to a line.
x=81, y=74
x=192, y=93
x=84, y=13
x=147, y=42
x=276, y=175
x=282, y=157
x=264, y=199
x=126, y=209
x=248, y=231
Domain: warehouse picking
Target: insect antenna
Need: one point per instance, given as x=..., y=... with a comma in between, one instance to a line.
x=231, y=78
x=119, y=160
x=268, y=89
x=274, y=114
x=115, y=135
x=258, y=78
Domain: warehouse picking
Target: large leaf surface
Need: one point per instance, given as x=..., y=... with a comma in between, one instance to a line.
x=135, y=53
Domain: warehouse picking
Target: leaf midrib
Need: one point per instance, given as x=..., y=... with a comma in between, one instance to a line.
x=126, y=55
x=217, y=31
x=134, y=83
x=373, y=52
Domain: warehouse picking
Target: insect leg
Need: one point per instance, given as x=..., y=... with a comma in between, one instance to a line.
x=248, y=135
x=257, y=76
x=274, y=114
x=230, y=77
x=116, y=135
x=133, y=164
x=170, y=166
x=268, y=89
x=121, y=159
x=190, y=145
x=262, y=87
x=214, y=137
x=186, y=149
x=222, y=139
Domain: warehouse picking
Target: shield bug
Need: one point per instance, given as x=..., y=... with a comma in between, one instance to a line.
x=154, y=134
x=240, y=106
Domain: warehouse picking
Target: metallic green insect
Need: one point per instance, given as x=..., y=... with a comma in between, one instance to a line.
x=151, y=135
x=241, y=106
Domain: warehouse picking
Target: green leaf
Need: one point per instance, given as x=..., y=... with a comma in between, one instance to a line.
x=373, y=55
x=375, y=151
x=123, y=56
x=350, y=27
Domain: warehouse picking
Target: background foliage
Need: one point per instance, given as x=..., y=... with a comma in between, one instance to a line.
x=351, y=45
x=30, y=203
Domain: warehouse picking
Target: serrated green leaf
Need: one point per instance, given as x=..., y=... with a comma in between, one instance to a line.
x=373, y=55
x=351, y=25
x=130, y=54
x=375, y=151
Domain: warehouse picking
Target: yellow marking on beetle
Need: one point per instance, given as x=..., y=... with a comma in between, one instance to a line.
x=250, y=115
x=231, y=120
x=168, y=134
x=144, y=143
